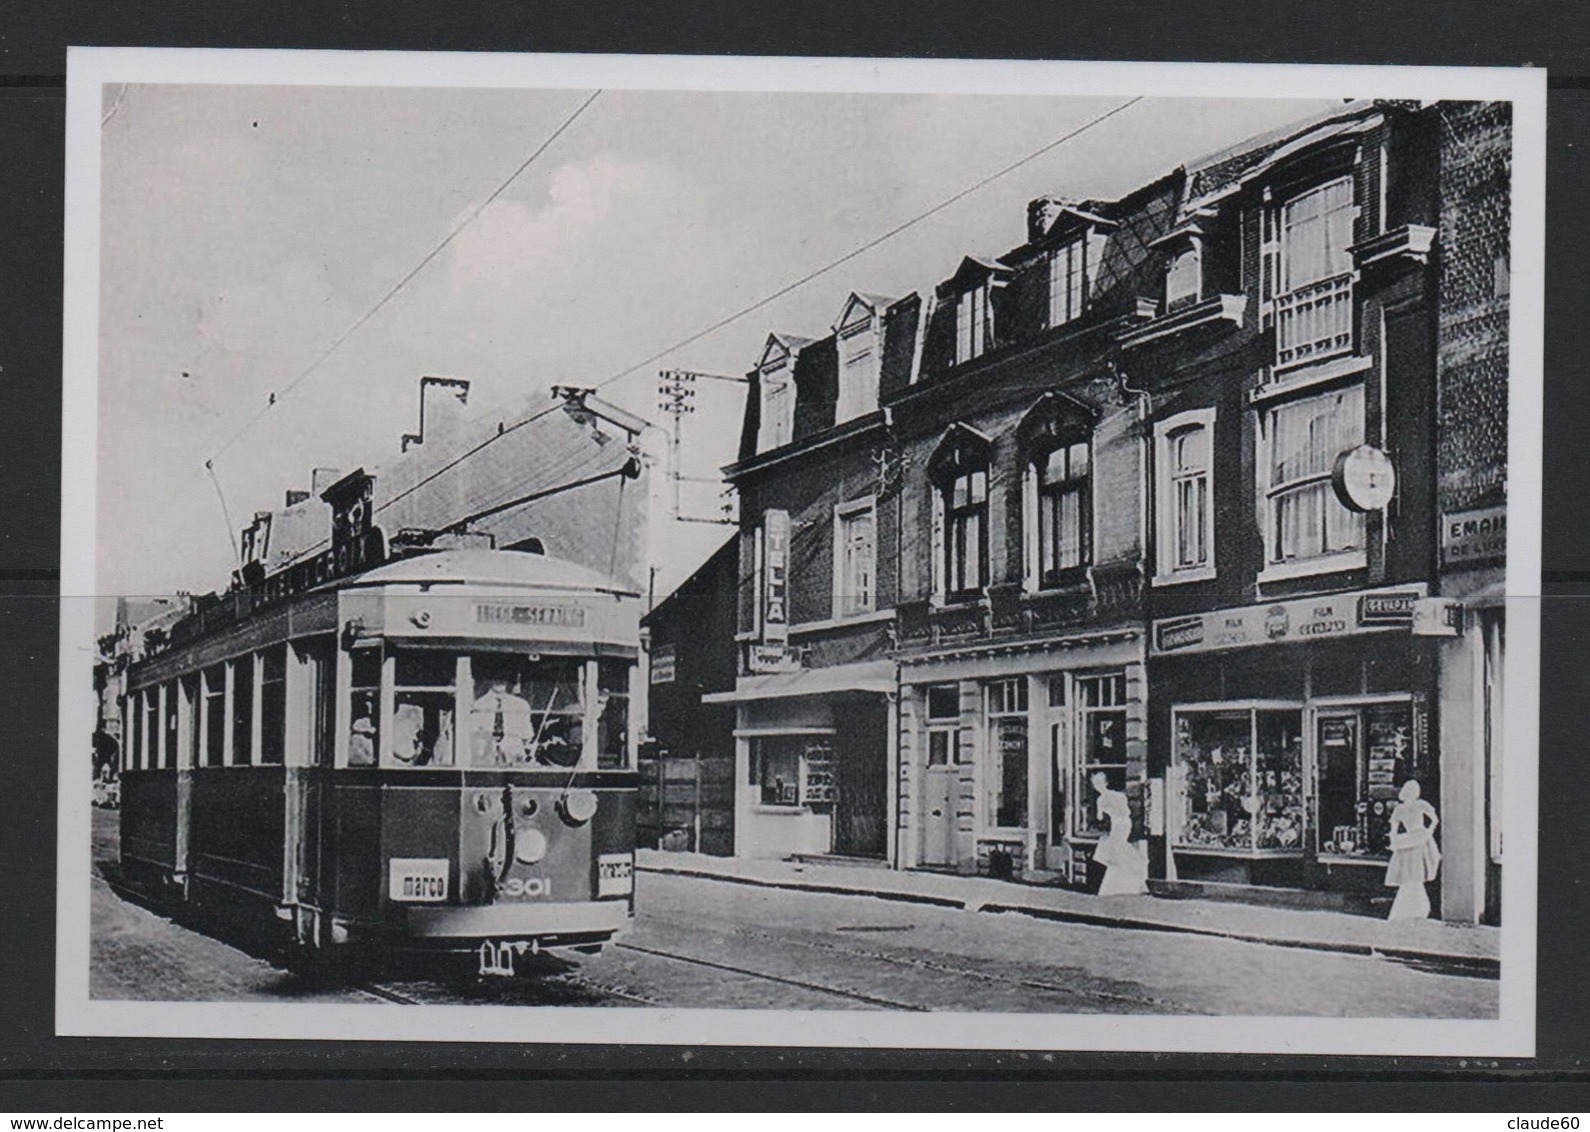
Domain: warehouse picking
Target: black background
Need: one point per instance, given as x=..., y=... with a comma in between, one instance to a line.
x=41, y=1072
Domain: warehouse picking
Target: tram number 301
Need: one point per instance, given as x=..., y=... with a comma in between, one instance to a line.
x=526, y=886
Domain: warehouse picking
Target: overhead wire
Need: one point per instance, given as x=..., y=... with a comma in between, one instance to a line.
x=719, y=324
x=392, y=292
x=788, y=287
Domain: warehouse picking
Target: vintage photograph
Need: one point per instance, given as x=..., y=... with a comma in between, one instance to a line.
x=806, y=552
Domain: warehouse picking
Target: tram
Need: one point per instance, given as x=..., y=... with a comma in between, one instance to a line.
x=426, y=752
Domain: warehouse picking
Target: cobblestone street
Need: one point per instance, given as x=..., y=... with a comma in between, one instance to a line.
x=700, y=943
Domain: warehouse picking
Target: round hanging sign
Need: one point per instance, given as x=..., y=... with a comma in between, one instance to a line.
x=1364, y=478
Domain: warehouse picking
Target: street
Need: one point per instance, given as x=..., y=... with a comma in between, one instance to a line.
x=701, y=943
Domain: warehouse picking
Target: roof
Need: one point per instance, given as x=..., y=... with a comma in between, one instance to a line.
x=1219, y=171
x=509, y=568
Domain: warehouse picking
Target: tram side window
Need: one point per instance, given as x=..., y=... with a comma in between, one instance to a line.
x=243, y=710
x=364, y=735
x=612, y=721
x=422, y=719
x=169, y=746
x=273, y=705
x=526, y=711
x=214, y=715
x=151, y=728
x=135, y=724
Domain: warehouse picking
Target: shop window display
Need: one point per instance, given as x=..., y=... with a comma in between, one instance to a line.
x=1365, y=754
x=1242, y=779
x=792, y=770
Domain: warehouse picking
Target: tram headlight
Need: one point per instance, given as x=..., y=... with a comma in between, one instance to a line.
x=529, y=846
x=577, y=806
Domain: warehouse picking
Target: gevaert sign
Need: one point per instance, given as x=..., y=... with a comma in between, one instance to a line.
x=1302, y=619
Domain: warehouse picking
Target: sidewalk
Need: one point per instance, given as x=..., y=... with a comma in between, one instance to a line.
x=1475, y=950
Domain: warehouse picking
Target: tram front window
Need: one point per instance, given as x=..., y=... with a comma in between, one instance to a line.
x=526, y=711
x=422, y=718
x=612, y=722
x=364, y=738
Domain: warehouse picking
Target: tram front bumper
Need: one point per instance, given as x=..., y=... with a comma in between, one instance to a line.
x=596, y=917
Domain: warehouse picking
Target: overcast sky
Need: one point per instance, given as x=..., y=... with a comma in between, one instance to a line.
x=245, y=228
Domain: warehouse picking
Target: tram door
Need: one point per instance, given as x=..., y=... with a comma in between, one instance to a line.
x=306, y=798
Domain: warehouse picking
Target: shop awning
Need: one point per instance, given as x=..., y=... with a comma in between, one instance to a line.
x=876, y=677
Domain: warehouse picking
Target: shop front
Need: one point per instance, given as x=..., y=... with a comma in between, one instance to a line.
x=813, y=749
x=1282, y=733
x=999, y=745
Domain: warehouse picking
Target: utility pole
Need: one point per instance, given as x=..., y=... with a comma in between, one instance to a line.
x=676, y=391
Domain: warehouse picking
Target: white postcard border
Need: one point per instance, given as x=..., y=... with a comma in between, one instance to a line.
x=1511, y=1034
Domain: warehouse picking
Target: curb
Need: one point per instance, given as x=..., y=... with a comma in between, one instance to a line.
x=1441, y=962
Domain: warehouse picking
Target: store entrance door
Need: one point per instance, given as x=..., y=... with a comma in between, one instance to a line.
x=938, y=816
x=861, y=783
x=1338, y=827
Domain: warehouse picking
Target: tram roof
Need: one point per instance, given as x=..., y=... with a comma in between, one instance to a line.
x=490, y=568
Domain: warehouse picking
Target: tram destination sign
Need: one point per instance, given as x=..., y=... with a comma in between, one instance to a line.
x=1302, y=619
x=538, y=614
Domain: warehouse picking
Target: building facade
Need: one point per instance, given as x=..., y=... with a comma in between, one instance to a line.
x=686, y=763
x=1201, y=489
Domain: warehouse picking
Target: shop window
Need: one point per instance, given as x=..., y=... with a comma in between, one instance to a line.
x=1101, y=735
x=273, y=705
x=364, y=714
x=1064, y=486
x=526, y=712
x=423, y=705
x=1303, y=438
x=1186, y=496
x=243, y=710
x=1241, y=779
x=1068, y=284
x=612, y=716
x=1311, y=234
x=1005, y=784
x=855, y=558
x=1364, y=755
x=943, y=724
x=792, y=770
x=214, y=707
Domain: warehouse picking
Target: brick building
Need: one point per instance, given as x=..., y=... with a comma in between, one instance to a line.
x=1202, y=488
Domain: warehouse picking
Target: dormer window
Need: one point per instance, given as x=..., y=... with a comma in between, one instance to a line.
x=775, y=375
x=971, y=324
x=860, y=344
x=1184, y=278
x=778, y=408
x=1068, y=281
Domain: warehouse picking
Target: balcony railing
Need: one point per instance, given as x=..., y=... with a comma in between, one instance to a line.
x=1314, y=321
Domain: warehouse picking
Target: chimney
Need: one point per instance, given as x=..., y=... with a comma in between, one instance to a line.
x=294, y=498
x=1041, y=215
x=322, y=478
